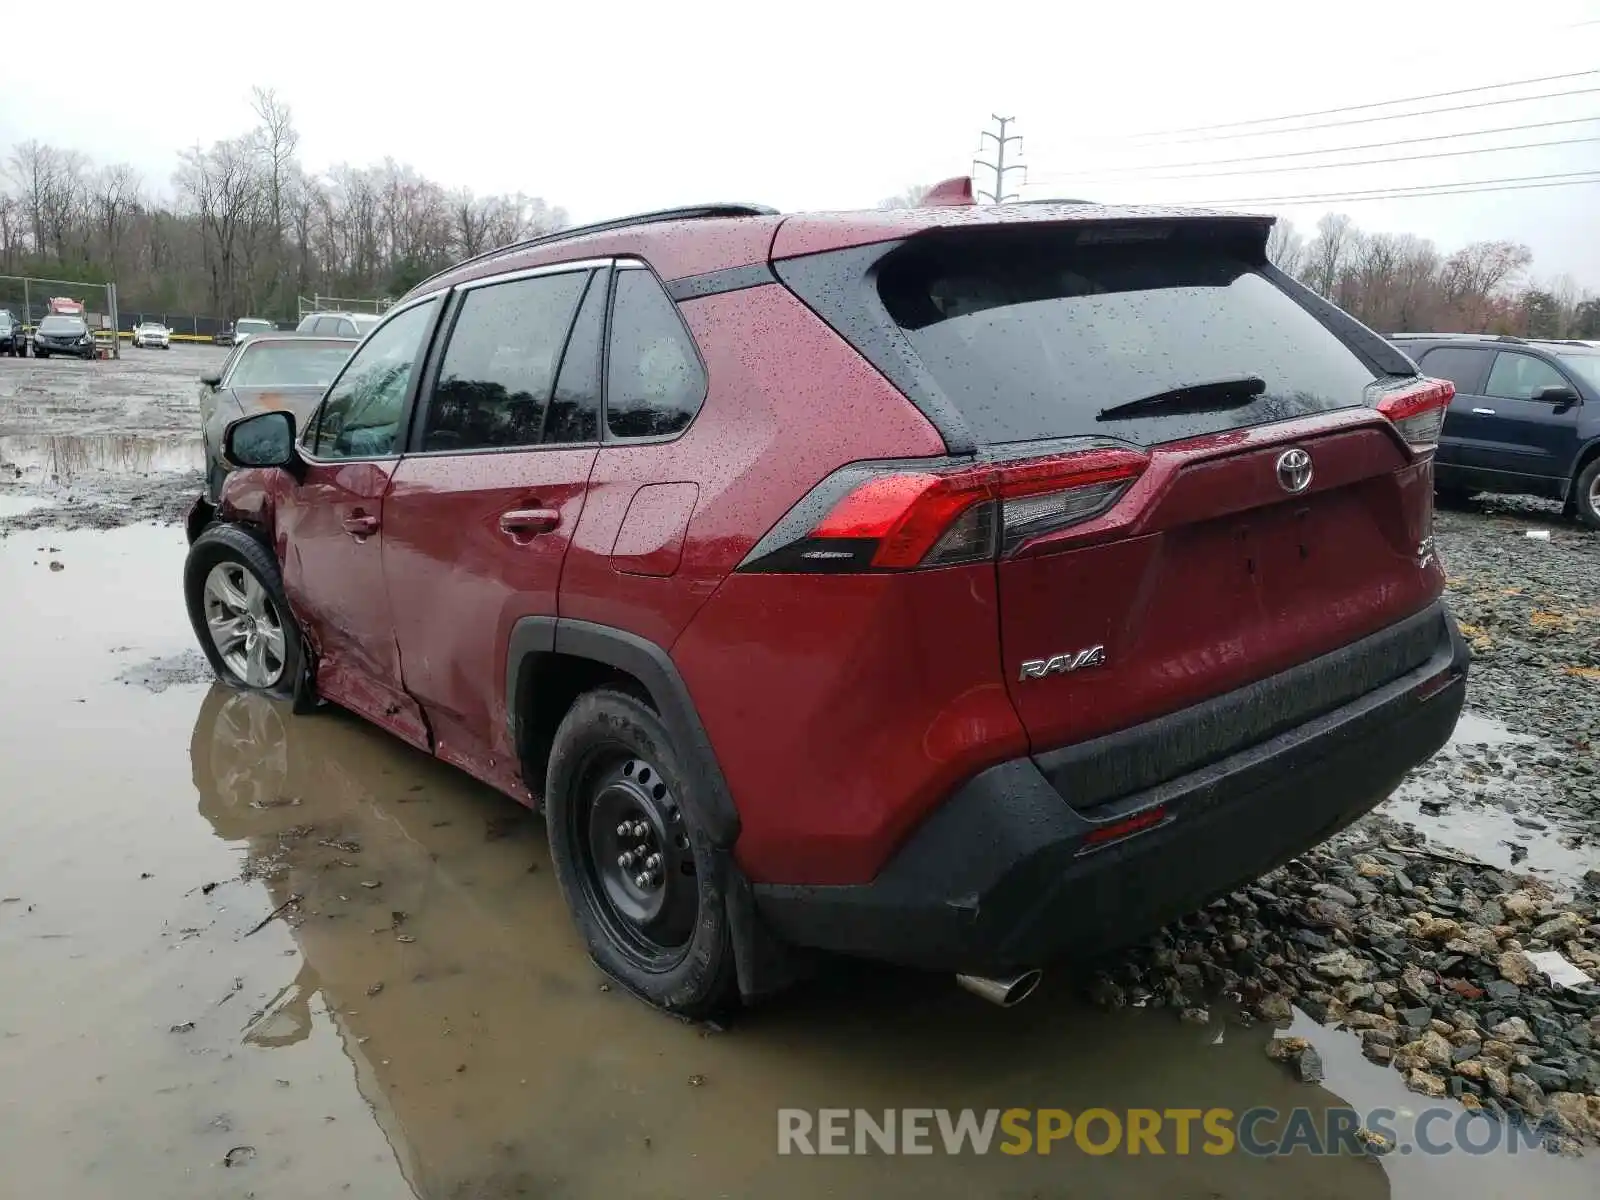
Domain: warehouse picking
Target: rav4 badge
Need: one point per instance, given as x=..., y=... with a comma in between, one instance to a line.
x=1061, y=664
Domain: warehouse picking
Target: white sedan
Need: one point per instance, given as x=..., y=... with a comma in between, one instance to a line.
x=152, y=333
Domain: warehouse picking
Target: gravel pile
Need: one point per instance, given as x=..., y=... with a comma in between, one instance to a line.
x=1417, y=949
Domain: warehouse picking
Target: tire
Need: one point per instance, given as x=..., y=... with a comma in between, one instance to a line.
x=1586, y=494
x=230, y=576
x=613, y=763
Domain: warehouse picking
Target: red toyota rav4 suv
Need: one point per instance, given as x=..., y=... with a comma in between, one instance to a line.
x=963, y=587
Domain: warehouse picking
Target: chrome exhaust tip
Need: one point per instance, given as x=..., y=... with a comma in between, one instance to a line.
x=1006, y=990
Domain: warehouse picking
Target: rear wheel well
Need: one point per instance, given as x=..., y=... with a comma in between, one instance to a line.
x=548, y=685
x=1585, y=456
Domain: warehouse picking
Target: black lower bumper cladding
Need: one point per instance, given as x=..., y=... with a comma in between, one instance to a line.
x=1007, y=873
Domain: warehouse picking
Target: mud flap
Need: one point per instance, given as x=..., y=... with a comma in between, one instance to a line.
x=765, y=964
x=200, y=514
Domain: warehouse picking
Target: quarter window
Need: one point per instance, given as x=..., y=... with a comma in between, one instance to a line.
x=1461, y=365
x=500, y=365
x=1519, y=376
x=361, y=416
x=654, y=383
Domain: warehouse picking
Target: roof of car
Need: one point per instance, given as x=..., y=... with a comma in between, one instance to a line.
x=339, y=312
x=282, y=335
x=680, y=243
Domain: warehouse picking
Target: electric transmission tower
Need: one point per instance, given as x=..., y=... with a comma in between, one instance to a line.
x=1002, y=142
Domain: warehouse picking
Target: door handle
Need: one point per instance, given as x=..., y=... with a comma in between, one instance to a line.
x=526, y=522
x=360, y=525
x=1483, y=412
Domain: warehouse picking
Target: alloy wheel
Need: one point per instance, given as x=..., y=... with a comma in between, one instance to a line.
x=244, y=624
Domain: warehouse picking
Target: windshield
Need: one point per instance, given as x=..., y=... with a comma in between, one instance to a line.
x=1585, y=365
x=55, y=326
x=253, y=326
x=288, y=364
x=151, y=325
x=1033, y=335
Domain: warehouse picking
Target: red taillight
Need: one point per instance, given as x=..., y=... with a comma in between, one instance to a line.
x=1417, y=411
x=898, y=520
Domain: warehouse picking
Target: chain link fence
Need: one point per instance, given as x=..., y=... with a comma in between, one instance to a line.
x=32, y=298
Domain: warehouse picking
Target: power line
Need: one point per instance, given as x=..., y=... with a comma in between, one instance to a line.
x=1328, y=112
x=1365, y=162
x=1001, y=140
x=1514, y=183
x=1425, y=112
x=1411, y=141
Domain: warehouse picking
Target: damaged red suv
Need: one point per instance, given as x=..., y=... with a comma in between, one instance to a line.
x=962, y=587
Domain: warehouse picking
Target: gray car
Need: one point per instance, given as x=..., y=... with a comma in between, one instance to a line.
x=268, y=371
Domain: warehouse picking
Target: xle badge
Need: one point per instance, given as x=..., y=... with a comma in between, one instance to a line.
x=1061, y=664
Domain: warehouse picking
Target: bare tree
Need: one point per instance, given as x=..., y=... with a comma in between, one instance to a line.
x=1286, y=249
x=1476, y=274
x=909, y=197
x=1328, y=254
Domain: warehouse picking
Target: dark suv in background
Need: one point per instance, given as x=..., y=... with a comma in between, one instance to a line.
x=1525, y=418
x=13, y=337
x=958, y=586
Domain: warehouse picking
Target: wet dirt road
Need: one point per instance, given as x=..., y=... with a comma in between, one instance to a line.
x=101, y=444
x=425, y=1024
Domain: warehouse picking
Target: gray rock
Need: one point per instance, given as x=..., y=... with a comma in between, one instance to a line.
x=1309, y=1066
x=1559, y=929
x=1513, y=1029
x=1416, y=1018
x=1527, y=1093
x=1342, y=964
x=1337, y=894
x=1502, y=990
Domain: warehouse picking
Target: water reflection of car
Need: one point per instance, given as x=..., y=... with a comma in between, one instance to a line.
x=152, y=334
x=62, y=334
x=268, y=371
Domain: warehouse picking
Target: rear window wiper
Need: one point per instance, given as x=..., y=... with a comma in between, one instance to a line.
x=1215, y=395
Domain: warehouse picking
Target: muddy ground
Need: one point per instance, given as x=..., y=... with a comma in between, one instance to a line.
x=420, y=1020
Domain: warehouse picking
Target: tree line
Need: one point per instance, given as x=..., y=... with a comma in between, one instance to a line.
x=245, y=227
x=1397, y=282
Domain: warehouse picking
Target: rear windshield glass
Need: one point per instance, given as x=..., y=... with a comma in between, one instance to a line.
x=364, y=324
x=59, y=325
x=254, y=327
x=288, y=364
x=1033, y=337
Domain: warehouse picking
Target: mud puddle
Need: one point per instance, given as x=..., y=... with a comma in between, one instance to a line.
x=65, y=458
x=1495, y=823
x=422, y=1021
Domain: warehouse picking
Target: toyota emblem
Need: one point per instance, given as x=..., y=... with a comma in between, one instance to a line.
x=1294, y=470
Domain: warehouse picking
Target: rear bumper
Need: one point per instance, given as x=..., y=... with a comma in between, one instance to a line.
x=1003, y=875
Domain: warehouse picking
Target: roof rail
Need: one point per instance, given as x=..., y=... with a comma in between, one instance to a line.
x=1487, y=337
x=692, y=212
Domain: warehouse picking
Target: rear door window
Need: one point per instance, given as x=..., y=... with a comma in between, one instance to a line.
x=575, y=408
x=1518, y=376
x=1034, y=336
x=654, y=381
x=1461, y=365
x=500, y=364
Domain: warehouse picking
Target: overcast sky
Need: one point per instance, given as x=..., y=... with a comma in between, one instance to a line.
x=610, y=108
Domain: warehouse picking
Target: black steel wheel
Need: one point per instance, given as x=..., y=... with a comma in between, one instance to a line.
x=645, y=885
